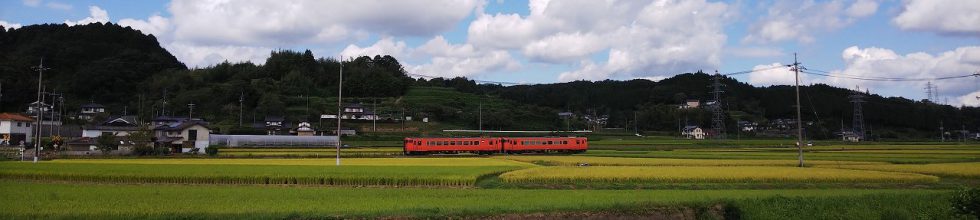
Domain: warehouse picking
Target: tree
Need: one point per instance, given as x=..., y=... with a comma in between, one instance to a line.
x=271, y=104
x=106, y=143
x=143, y=141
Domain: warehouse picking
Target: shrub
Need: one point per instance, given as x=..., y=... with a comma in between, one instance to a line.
x=967, y=202
x=143, y=150
x=211, y=150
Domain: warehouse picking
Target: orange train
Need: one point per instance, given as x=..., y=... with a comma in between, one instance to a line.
x=492, y=145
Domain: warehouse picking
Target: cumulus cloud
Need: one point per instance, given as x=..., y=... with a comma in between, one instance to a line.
x=156, y=25
x=955, y=17
x=880, y=63
x=774, y=74
x=385, y=46
x=641, y=38
x=9, y=25
x=972, y=99
x=797, y=20
x=202, y=56
x=660, y=38
x=450, y=60
x=311, y=21
x=562, y=47
x=96, y=15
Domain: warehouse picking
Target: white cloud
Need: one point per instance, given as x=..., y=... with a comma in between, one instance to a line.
x=774, y=74
x=878, y=63
x=664, y=38
x=862, y=8
x=96, y=14
x=972, y=99
x=885, y=63
x=58, y=6
x=156, y=25
x=449, y=60
x=563, y=48
x=202, y=56
x=642, y=38
x=957, y=17
x=798, y=20
x=385, y=46
x=297, y=22
x=506, y=31
x=9, y=25
x=32, y=3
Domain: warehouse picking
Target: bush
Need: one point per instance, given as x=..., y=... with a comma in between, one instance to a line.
x=143, y=150
x=211, y=150
x=967, y=202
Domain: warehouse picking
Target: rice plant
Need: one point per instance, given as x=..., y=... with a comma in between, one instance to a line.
x=687, y=174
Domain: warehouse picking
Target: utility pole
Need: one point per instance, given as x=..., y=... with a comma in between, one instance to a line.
x=241, y=102
x=942, y=132
x=190, y=114
x=340, y=93
x=163, y=111
x=799, y=114
x=374, y=122
x=481, y=117
x=717, y=111
x=40, y=76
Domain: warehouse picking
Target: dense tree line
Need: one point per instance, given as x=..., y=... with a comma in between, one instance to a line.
x=129, y=71
x=655, y=105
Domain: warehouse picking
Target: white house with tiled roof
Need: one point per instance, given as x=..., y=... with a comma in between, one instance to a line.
x=15, y=128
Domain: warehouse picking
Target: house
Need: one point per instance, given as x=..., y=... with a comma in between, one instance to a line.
x=47, y=118
x=305, y=129
x=357, y=112
x=183, y=136
x=693, y=132
x=90, y=146
x=850, y=136
x=115, y=126
x=690, y=103
x=748, y=126
x=36, y=106
x=90, y=110
x=15, y=129
x=276, y=125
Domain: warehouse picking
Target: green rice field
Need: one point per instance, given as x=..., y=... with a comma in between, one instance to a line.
x=616, y=179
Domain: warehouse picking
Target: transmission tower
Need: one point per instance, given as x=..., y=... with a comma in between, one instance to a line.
x=931, y=94
x=717, y=111
x=858, y=121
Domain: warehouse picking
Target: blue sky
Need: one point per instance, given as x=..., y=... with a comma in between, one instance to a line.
x=543, y=41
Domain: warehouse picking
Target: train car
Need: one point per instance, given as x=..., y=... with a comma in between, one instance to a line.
x=545, y=145
x=477, y=145
x=488, y=145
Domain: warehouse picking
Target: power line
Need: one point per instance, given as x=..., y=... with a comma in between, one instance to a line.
x=882, y=79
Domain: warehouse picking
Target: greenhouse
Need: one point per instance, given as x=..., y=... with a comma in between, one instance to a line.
x=273, y=141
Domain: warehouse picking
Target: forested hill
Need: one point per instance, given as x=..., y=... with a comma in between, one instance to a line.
x=95, y=61
x=655, y=105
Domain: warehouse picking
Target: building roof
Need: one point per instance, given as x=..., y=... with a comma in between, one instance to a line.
x=181, y=126
x=14, y=117
x=172, y=118
x=126, y=120
x=92, y=105
x=274, y=118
